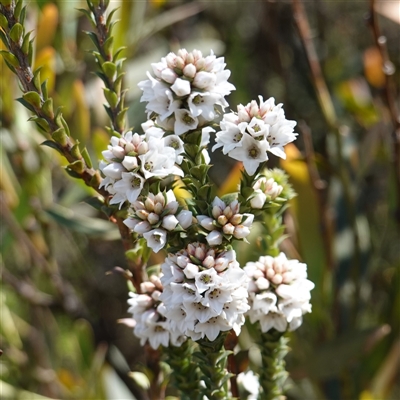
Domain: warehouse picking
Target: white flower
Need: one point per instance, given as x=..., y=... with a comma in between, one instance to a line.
x=149, y=320
x=186, y=86
x=210, y=300
x=225, y=219
x=250, y=383
x=156, y=239
x=184, y=121
x=265, y=123
x=159, y=213
x=128, y=188
x=133, y=158
x=279, y=292
x=251, y=152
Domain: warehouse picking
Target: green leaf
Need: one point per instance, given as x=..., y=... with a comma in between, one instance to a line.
x=108, y=46
x=25, y=104
x=52, y=144
x=16, y=33
x=78, y=223
x=3, y=21
x=33, y=98
x=86, y=157
x=10, y=58
x=109, y=69
x=47, y=108
x=25, y=43
x=111, y=97
x=60, y=136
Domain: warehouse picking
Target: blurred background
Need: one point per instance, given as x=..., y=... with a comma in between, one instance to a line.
x=59, y=307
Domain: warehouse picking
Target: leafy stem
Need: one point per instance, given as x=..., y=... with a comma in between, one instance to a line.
x=18, y=57
x=110, y=64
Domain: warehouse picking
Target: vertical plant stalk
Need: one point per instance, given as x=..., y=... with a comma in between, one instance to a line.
x=390, y=95
x=109, y=62
x=18, y=57
x=328, y=111
x=212, y=360
x=273, y=345
x=185, y=376
x=319, y=187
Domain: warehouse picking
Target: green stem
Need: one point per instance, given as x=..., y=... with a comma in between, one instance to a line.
x=212, y=360
x=185, y=376
x=273, y=345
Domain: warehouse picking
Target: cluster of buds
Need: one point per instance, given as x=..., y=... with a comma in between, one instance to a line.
x=265, y=189
x=225, y=221
x=132, y=159
x=148, y=320
x=157, y=215
x=205, y=291
x=185, y=90
x=279, y=292
x=255, y=129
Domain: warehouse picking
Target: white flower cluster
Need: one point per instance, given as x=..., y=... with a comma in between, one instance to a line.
x=132, y=159
x=255, y=129
x=150, y=324
x=185, y=90
x=265, y=189
x=279, y=292
x=225, y=221
x=205, y=292
x=157, y=215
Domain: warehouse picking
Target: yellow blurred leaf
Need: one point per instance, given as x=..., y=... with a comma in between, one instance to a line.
x=46, y=59
x=47, y=26
x=82, y=114
x=373, y=67
x=157, y=3
x=231, y=183
x=305, y=210
x=366, y=395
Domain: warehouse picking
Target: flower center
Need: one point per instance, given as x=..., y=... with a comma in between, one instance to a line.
x=187, y=119
x=135, y=182
x=174, y=144
x=237, y=138
x=253, y=152
x=148, y=166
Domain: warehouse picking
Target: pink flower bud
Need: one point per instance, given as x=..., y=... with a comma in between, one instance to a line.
x=241, y=231
x=147, y=287
x=130, y=163
x=179, y=63
x=153, y=218
x=143, y=148
x=185, y=218
x=222, y=219
x=228, y=229
x=191, y=270
x=209, y=262
x=200, y=253
x=216, y=212
x=142, y=214
x=142, y=227
x=262, y=283
x=189, y=70
x=118, y=152
x=149, y=203
x=204, y=80
x=158, y=208
x=214, y=238
x=258, y=201
x=277, y=279
x=169, y=222
x=168, y=75
x=236, y=219
x=181, y=87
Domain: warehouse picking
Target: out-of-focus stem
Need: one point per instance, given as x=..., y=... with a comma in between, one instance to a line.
x=390, y=95
x=328, y=111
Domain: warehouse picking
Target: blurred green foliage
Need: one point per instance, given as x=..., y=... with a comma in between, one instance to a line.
x=58, y=327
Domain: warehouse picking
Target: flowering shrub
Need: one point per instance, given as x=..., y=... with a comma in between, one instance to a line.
x=198, y=299
x=201, y=291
